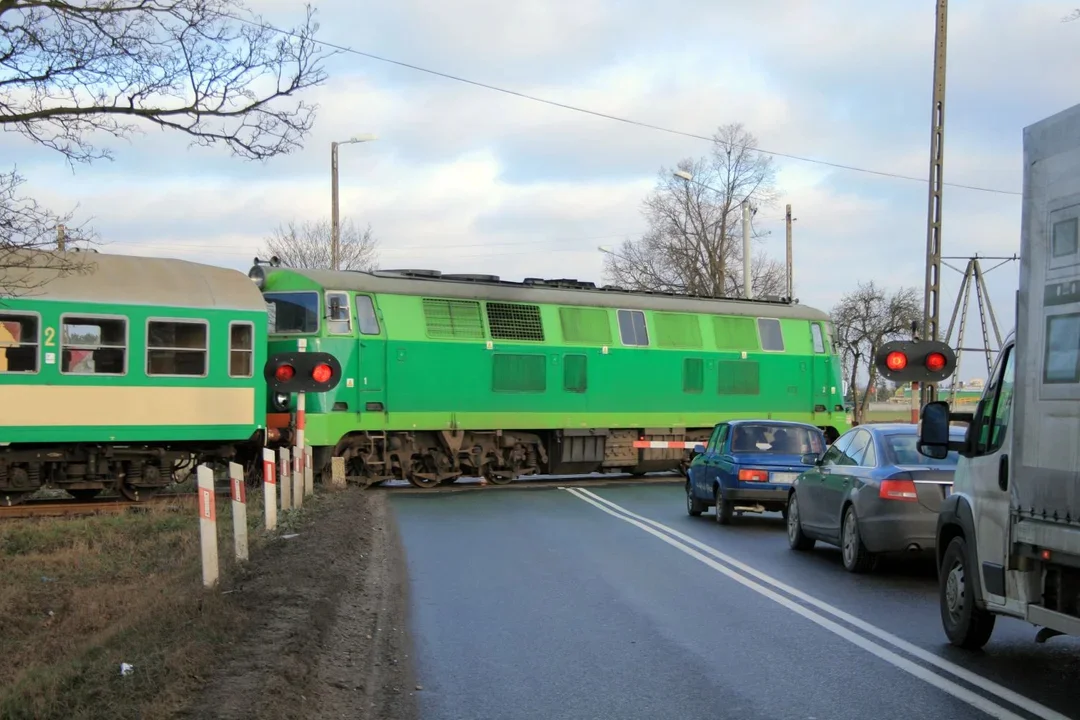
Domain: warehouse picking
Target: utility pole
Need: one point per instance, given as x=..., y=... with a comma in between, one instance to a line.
x=61, y=237
x=790, y=269
x=334, y=230
x=933, y=211
x=747, y=292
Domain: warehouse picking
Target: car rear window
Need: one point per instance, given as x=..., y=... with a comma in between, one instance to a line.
x=904, y=450
x=778, y=439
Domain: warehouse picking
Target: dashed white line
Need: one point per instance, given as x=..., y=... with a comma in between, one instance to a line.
x=687, y=545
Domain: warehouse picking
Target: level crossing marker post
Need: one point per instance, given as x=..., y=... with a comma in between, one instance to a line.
x=301, y=413
x=270, y=488
x=309, y=472
x=239, y=510
x=298, y=478
x=208, y=526
x=285, y=469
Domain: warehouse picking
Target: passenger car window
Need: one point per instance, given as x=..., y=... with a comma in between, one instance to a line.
x=18, y=343
x=870, y=458
x=999, y=413
x=837, y=449
x=91, y=345
x=177, y=347
x=855, y=452
x=715, y=438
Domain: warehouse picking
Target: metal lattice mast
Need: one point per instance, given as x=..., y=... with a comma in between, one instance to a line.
x=931, y=301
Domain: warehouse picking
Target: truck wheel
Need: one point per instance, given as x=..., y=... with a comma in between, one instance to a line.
x=694, y=507
x=966, y=625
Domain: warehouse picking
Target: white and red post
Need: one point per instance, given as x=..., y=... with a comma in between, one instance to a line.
x=270, y=488
x=208, y=526
x=299, y=456
x=285, y=470
x=239, y=510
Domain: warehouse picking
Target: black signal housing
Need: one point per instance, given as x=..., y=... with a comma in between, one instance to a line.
x=921, y=357
x=304, y=365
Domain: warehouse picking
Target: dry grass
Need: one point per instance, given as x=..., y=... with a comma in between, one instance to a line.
x=83, y=595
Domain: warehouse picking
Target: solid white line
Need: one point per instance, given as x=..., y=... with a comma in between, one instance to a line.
x=974, y=699
x=975, y=679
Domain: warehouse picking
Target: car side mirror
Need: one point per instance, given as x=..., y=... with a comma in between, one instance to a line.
x=699, y=449
x=811, y=459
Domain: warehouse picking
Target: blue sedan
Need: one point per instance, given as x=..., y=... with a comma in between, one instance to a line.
x=749, y=465
x=872, y=492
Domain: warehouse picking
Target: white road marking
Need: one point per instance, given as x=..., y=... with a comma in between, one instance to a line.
x=687, y=544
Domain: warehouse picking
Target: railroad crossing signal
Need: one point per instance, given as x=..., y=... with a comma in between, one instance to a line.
x=296, y=372
x=922, y=361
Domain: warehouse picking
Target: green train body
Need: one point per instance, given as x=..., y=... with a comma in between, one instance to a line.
x=448, y=376
x=116, y=374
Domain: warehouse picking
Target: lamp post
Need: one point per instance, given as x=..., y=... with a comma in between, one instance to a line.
x=335, y=249
x=746, y=211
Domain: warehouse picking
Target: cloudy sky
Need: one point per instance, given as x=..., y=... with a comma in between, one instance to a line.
x=466, y=179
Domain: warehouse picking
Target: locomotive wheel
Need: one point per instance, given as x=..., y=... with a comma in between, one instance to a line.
x=500, y=477
x=420, y=481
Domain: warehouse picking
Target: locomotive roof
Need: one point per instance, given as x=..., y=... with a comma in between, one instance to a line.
x=561, y=292
x=126, y=279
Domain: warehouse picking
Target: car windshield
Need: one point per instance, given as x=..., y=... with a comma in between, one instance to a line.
x=777, y=439
x=904, y=450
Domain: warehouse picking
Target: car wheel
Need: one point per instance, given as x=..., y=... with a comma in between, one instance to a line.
x=723, y=508
x=694, y=507
x=796, y=539
x=857, y=558
x=966, y=625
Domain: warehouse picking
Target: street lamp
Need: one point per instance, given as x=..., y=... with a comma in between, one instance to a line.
x=334, y=229
x=683, y=175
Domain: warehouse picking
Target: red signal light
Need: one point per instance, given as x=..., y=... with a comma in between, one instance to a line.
x=896, y=360
x=935, y=362
x=284, y=373
x=322, y=373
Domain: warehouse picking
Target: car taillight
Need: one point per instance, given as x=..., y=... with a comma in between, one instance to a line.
x=321, y=373
x=284, y=373
x=753, y=476
x=898, y=490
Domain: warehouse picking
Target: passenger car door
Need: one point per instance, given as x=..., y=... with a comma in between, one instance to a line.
x=812, y=491
x=702, y=467
x=842, y=476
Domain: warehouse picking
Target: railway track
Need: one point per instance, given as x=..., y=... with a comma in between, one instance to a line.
x=62, y=507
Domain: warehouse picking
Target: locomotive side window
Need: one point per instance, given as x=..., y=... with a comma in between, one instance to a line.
x=338, y=319
x=366, y=318
x=632, y=328
x=241, y=350
x=772, y=336
x=18, y=343
x=815, y=336
x=293, y=312
x=91, y=345
x=177, y=347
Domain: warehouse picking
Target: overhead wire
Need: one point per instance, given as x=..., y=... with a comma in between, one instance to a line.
x=595, y=113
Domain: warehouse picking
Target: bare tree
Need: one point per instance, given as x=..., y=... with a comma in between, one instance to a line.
x=29, y=239
x=308, y=246
x=694, y=241
x=864, y=319
x=73, y=71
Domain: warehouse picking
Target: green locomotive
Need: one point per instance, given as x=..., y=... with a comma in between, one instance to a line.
x=461, y=375
x=122, y=370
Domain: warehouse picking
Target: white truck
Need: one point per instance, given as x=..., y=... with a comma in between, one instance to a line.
x=1008, y=538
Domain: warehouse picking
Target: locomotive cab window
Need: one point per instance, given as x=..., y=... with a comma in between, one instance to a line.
x=93, y=345
x=18, y=343
x=366, y=319
x=176, y=347
x=632, y=328
x=293, y=312
x=241, y=350
x=772, y=336
x=338, y=318
x=815, y=335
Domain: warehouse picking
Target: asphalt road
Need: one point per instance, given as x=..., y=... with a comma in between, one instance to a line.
x=552, y=604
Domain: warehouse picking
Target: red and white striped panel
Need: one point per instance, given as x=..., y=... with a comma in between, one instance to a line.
x=654, y=444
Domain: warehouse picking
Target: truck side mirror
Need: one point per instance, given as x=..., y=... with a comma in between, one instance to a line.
x=934, y=430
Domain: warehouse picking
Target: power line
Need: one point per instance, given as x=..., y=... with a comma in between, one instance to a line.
x=595, y=113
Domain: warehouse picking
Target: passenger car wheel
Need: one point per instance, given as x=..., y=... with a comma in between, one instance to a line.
x=723, y=507
x=694, y=507
x=795, y=536
x=967, y=625
x=857, y=558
